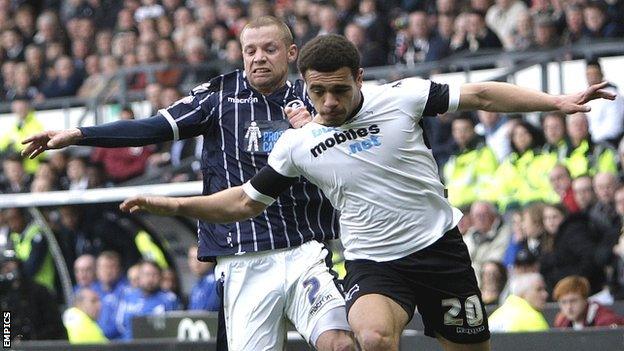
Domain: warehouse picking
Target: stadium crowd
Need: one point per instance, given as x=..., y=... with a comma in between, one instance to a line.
x=543, y=202
x=68, y=48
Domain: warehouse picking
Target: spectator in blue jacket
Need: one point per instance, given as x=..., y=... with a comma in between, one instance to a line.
x=67, y=80
x=204, y=293
x=146, y=300
x=111, y=286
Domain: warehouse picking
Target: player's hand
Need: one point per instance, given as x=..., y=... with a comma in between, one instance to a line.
x=574, y=103
x=298, y=117
x=51, y=139
x=160, y=205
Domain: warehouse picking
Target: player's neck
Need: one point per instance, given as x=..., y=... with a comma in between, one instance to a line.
x=266, y=91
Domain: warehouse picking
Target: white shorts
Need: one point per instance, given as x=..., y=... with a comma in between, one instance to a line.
x=261, y=291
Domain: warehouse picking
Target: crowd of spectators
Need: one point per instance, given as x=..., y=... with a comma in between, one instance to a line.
x=544, y=210
x=66, y=48
x=542, y=202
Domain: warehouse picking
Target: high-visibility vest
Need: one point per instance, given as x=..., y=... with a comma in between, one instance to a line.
x=517, y=315
x=590, y=159
x=23, y=247
x=14, y=136
x=81, y=329
x=467, y=174
x=522, y=179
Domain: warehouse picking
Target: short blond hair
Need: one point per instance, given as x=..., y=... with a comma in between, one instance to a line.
x=267, y=21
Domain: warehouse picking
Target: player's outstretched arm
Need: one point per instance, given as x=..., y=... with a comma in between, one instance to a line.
x=230, y=205
x=505, y=97
x=51, y=139
x=138, y=132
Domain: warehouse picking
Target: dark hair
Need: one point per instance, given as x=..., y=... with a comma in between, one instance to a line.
x=536, y=136
x=329, y=53
x=598, y=5
x=502, y=271
x=12, y=156
x=464, y=116
x=127, y=109
x=524, y=257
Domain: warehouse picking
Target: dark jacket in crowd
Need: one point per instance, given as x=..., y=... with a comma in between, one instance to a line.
x=573, y=253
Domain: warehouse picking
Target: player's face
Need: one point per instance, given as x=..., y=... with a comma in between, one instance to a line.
x=335, y=95
x=266, y=57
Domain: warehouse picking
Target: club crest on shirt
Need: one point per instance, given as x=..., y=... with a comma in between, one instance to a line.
x=261, y=136
x=295, y=104
x=354, y=289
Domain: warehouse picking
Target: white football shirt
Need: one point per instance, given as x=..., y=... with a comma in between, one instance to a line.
x=376, y=170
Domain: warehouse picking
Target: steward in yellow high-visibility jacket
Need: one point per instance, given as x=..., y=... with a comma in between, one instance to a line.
x=26, y=125
x=31, y=248
x=554, y=127
x=523, y=178
x=469, y=172
x=517, y=315
x=584, y=156
x=80, y=320
x=589, y=158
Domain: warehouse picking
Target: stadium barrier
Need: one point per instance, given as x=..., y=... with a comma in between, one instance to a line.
x=550, y=312
x=159, y=226
x=467, y=64
x=96, y=196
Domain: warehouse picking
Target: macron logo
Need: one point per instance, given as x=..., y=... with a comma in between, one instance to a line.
x=243, y=101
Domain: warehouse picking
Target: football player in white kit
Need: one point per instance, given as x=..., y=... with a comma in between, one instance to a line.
x=367, y=152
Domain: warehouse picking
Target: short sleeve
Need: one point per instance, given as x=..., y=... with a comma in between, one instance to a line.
x=280, y=157
x=191, y=115
x=442, y=98
x=420, y=97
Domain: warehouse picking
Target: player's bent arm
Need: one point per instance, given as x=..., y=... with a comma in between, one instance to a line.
x=505, y=97
x=226, y=206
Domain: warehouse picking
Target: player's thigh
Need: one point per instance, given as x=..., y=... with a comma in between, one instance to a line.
x=315, y=303
x=379, y=303
x=449, y=298
x=253, y=304
x=375, y=315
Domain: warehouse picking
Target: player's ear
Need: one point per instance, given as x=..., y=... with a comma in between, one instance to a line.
x=359, y=78
x=293, y=51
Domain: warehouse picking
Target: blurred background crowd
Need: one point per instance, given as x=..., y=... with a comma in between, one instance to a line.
x=57, y=48
x=543, y=197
